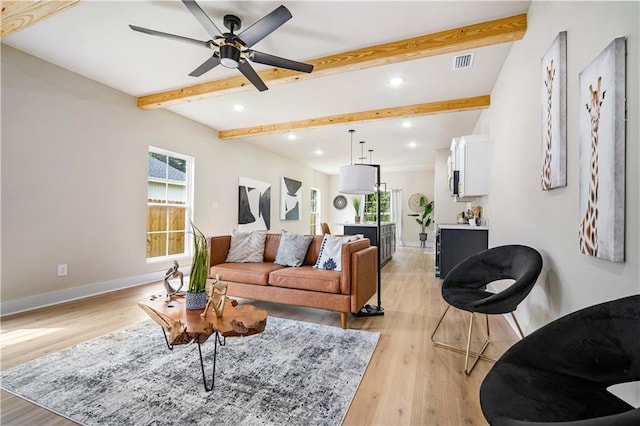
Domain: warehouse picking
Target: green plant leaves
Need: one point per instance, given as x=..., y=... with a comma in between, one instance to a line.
x=200, y=263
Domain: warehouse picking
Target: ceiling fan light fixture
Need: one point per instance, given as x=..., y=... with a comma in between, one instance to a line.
x=234, y=50
x=229, y=56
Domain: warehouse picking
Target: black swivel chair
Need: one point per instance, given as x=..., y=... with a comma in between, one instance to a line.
x=465, y=288
x=559, y=374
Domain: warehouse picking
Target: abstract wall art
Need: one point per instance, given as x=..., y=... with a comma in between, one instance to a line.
x=554, y=114
x=254, y=205
x=290, y=199
x=601, y=122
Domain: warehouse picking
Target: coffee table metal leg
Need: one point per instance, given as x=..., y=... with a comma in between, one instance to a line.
x=166, y=340
x=217, y=339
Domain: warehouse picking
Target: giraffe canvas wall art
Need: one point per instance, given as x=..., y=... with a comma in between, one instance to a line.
x=554, y=114
x=601, y=123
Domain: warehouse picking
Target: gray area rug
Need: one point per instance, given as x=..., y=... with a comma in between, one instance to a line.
x=293, y=373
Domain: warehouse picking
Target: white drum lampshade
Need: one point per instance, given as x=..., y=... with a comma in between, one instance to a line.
x=357, y=179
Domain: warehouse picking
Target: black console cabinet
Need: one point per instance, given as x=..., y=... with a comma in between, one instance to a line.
x=387, y=245
x=455, y=244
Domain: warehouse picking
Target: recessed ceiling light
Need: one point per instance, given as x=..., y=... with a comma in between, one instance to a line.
x=318, y=152
x=412, y=144
x=406, y=124
x=238, y=107
x=291, y=136
x=396, y=81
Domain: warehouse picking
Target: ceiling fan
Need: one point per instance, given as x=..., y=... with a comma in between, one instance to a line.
x=234, y=50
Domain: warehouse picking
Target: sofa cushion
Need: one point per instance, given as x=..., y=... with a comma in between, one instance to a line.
x=247, y=246
x=250, y=273
x=330, y=257
x=271, y=245
x=314, y=250
x=306, y=278
x=293, y=249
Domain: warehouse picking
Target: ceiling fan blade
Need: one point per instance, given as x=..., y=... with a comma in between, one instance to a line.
x=276, y=61
x=207, y=65
x=203, y=18
x=247, y=70
x=172, y=36
x=264, y=26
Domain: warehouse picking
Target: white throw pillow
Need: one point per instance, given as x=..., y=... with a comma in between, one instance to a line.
x=330, y=256
x=247, y=247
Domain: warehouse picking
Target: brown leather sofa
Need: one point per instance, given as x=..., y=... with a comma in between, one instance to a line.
x=341, y=291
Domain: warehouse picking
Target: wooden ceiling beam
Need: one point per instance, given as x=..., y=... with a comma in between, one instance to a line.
x=468, y=37
x=454, y=105
x=19, y=14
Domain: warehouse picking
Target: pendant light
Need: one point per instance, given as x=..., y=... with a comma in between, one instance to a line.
x=357, y=179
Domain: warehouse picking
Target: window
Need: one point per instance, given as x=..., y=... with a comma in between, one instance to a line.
x=169, y=202
x=370, y=205
x=315, y=212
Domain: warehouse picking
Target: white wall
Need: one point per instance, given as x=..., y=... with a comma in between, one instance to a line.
x=519, y=211
x=74, y=164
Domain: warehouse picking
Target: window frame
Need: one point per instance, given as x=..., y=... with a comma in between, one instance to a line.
x=188, y=206
x=367, y=203
x=314, y=211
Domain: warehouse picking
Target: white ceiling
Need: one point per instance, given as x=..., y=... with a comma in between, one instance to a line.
x=93, y=39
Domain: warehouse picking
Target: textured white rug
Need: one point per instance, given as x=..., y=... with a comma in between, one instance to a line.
x=292, y=373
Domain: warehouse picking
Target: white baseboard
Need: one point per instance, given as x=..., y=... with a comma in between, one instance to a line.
x=9, y=307
x=429, y=244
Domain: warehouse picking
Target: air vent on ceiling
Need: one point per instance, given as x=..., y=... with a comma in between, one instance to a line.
x=463, y=61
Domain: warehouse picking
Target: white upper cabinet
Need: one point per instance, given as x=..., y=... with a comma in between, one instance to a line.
x=470, y=159
x=473, y=154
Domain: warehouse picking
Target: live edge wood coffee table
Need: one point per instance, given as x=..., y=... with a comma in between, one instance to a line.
x=186, y=325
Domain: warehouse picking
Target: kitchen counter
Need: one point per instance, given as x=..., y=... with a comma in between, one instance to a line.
x=367, y=224
x=386, y=245
x=461, y=226
x=456, y=242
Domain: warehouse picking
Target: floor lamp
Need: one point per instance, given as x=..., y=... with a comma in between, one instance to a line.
x=363, y=179
x=369, y=310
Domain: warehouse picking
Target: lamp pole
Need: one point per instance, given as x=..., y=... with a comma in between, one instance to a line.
x=368, y=310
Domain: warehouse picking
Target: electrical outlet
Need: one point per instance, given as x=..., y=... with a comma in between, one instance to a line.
x=63, y=270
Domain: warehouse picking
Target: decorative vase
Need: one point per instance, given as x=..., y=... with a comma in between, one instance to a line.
x=357, y=219
x=196, y=300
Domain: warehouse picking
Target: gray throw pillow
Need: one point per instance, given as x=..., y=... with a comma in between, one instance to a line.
x=292, y=249
x=247, y=247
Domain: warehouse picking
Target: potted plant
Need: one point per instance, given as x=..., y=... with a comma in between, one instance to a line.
x=196, y=296
x=356, y=207
x=423, y=219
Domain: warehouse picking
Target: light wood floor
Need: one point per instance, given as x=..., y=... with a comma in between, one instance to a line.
x=408, y=382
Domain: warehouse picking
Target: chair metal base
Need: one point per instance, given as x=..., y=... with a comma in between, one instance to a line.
x=467, y=351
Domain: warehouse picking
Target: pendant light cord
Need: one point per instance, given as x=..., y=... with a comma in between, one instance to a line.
x=351, y=156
